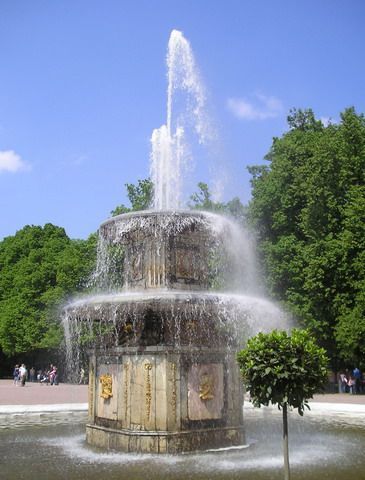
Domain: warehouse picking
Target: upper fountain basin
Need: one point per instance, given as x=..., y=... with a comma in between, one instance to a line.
x=161, y=249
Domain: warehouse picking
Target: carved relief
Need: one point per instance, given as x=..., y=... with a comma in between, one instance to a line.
x=205, y=391
x=148, y=389
x=106, y=386
x=136, y=266
x=126, y=388
x=206, y=387
x=186, y=263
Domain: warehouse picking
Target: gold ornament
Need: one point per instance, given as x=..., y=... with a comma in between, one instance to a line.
x=206, y=387
x=106, y=386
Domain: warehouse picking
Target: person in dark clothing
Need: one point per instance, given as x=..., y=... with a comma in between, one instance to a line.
x=358, y=377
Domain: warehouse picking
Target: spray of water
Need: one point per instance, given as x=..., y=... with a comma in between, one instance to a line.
x=231, y=292
x=169, y=153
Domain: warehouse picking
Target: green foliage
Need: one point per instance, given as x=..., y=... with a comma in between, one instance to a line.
x=283, y=369
x=303, y=120
x=140, y=197
x=202, y=200
x=39, y=267
x=308, y=206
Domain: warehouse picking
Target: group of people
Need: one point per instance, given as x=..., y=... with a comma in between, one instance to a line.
x=351, y=382
x=48, y=376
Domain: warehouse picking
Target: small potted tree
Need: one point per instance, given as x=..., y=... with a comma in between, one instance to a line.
x=283, y=369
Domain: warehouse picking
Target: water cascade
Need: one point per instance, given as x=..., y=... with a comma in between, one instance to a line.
x=176, y=295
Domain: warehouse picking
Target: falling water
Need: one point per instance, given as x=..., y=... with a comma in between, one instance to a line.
x=135, y=249
x=169, y=152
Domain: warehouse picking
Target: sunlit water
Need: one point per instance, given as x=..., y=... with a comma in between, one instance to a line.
x=185, y=110
x=320, y=448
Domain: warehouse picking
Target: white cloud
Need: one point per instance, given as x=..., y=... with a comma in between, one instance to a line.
x=262, y=108
x=11, y=162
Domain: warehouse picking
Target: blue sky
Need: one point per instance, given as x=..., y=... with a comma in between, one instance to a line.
x=83, y=84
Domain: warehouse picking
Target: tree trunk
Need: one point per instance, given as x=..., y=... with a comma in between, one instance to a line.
x=285, y=442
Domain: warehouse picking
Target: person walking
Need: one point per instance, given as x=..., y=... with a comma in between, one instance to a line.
x=16, y=375
x=343, y=382
x=53, y=376
x=23, y=374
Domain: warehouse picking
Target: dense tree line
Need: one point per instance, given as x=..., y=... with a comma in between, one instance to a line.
x=39, y=268
x=308, y=207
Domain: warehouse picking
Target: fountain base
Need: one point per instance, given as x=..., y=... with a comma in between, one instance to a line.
x=164, y=399
x=163, y=442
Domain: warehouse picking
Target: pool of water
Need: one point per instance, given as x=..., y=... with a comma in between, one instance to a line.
x=320, y=447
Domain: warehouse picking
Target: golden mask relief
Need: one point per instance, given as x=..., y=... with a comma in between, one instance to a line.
x=106, y=386
x=206, y=387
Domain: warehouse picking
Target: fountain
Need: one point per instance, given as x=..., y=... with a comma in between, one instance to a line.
x=163, y=376
x=163, y=345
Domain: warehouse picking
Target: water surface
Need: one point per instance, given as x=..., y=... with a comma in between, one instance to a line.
x=320, y=448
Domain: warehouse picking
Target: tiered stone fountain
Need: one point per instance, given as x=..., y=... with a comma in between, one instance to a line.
x=167, y=381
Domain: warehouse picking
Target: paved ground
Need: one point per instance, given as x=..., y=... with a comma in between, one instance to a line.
x=37, y=394
x=339, y=398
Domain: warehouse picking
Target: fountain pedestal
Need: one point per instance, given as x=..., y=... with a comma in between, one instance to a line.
x=164, y=400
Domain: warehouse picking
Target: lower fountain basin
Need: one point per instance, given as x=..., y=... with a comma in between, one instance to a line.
x=321, y=446
x=163, y=376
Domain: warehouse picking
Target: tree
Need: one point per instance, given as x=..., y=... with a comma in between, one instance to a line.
x=308, y=208
x=283, y=369
x=202, y=200
x=39, y=268
x=140, y=197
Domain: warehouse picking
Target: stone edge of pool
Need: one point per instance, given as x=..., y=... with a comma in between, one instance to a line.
x=321, y=407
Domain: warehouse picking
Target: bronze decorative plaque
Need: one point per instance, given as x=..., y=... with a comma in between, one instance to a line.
x=205, y=391
x=106, y=386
